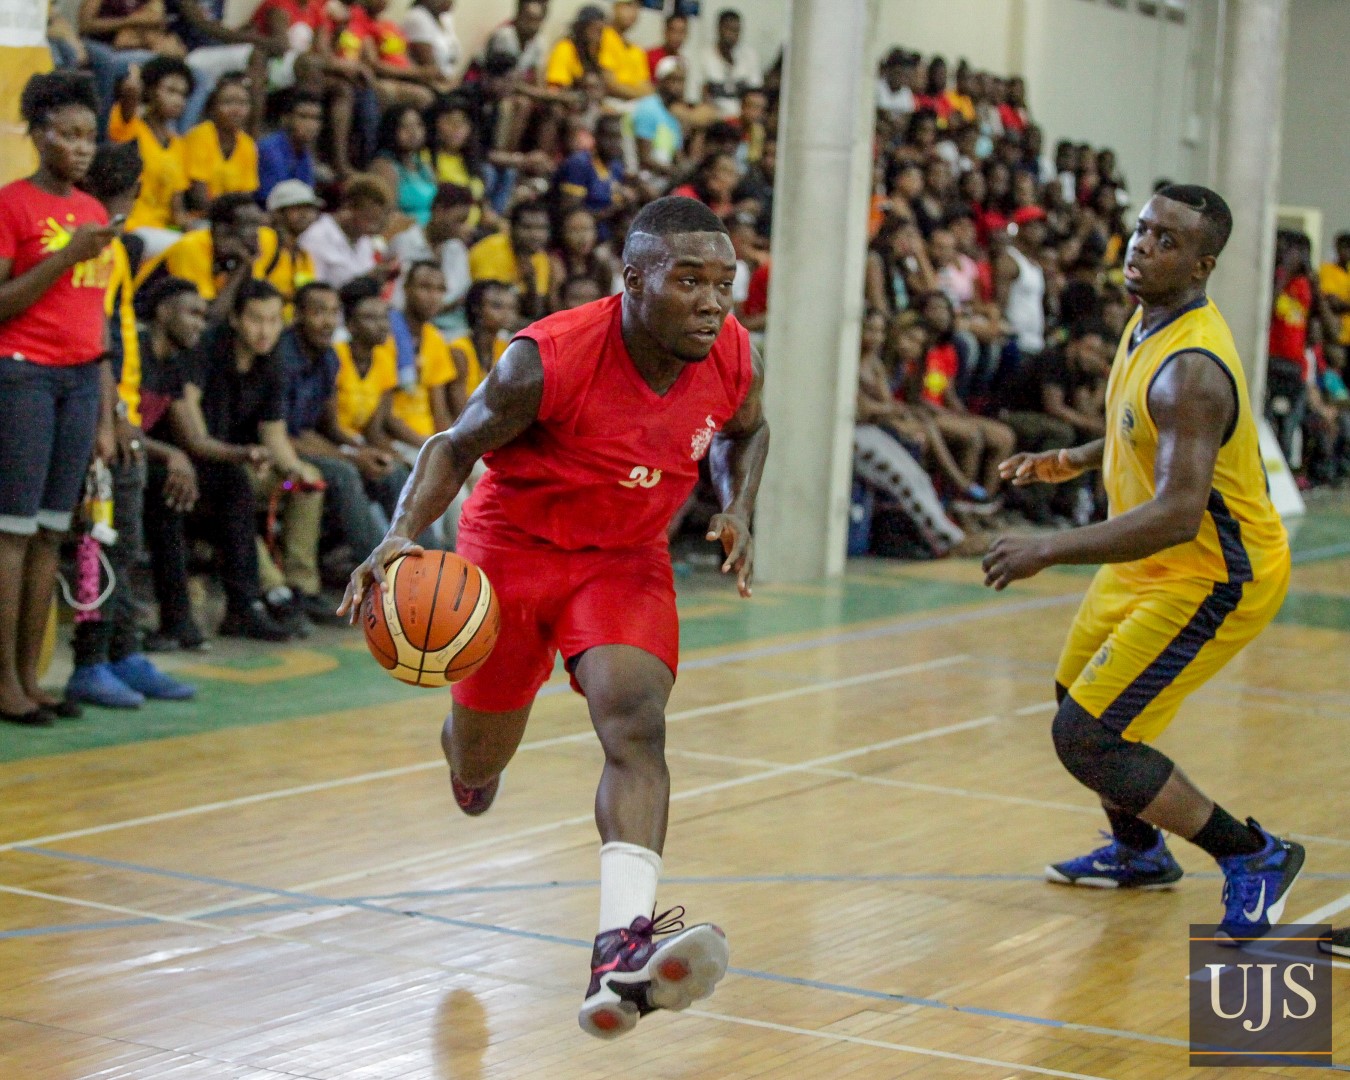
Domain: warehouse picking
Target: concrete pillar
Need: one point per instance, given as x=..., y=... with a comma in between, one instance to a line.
x=816, y=291
x=1247, y=171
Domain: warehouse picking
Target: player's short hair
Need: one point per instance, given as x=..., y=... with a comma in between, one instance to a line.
x=1218, y=219
x=1342, y=238
x=672, y=215
x=356, y=292
x=53, y=91
x=159, y=292
x=159, y=68
x=115, y=170
x=303, y=293
x=254, y=289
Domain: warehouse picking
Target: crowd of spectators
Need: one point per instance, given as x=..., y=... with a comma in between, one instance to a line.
x=331, y=234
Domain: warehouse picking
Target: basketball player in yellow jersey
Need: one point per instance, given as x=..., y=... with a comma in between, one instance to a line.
x=1195, y=563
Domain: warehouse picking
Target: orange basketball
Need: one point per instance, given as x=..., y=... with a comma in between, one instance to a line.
x=435, y=620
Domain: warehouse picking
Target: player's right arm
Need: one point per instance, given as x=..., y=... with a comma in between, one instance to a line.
x=501, y=409
x=1053, y=466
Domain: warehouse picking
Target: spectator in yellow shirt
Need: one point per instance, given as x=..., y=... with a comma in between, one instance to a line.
x=624, y=64
x=491, y=309
x=1335, y=281
x=518, y=259
x=218, y=260
x=579, y=52
x=221, y=156
x=423, y=407
x=149, y=103
x=367, y=365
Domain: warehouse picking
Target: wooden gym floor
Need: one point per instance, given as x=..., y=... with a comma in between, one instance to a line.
x=274, y=882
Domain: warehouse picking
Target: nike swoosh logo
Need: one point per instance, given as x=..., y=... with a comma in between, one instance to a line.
x=1255, y=915
x=1103, y=866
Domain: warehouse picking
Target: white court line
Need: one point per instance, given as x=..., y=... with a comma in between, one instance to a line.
x=1318, y=839
x=886, y=781
x=1325, y=912
x=539, y=744
x=239, y=933
x=904, y=1048
x=580, y=819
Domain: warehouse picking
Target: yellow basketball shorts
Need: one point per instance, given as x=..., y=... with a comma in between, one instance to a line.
x=1134, y=655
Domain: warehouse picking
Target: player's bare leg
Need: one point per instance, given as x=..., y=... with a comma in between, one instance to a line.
x=631, y=973
x=477, y=747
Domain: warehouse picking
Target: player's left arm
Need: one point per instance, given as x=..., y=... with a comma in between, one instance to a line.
x=737, y=462
x=1193, y=403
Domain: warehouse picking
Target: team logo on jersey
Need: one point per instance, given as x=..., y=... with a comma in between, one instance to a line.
x=1127, y=422
x=55, y=236
x=642, y=478
x=1103, y=657
x=703, y=437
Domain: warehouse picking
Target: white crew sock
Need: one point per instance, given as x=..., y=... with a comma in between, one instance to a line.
x=628, y=879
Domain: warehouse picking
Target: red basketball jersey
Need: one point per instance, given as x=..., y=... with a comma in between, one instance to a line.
x=609, y=461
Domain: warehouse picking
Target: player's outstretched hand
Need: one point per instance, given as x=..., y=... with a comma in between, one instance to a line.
x=1012, y=558
x=1049, y=467
x=372, y=570
x=739, y=545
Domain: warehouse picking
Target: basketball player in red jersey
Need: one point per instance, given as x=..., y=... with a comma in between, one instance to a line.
x=592, y=425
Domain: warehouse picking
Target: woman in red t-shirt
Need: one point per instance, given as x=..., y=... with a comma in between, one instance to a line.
x=55, y=265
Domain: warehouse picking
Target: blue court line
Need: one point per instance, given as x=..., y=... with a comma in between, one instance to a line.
x=1317, y=554
x=767, y=976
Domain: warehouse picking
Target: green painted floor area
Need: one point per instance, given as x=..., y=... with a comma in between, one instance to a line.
x=331, y=671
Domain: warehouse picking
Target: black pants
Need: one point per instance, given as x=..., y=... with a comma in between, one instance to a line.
x=228, y=502
x=114, y=635
x=347, y=503
x=1037, y=432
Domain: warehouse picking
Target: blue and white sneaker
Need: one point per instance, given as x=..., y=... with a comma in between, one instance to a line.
x=1117, y=866
x=1256, y=886
x=137, y=672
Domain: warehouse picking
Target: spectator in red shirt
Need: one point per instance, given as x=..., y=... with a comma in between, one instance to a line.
x=1013, y=112
x=677, y=33
x=55, y=267
x=1289, y=373
x=982, y=442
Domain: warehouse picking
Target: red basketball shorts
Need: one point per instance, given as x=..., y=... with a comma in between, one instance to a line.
x=566, y=601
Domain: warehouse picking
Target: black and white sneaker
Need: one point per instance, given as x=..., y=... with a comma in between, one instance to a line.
x=632, y=974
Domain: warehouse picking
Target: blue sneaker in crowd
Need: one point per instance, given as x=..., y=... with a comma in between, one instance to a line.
x=98, y=684
x=137, y=672
x=1116, y=866
x=1256, y=886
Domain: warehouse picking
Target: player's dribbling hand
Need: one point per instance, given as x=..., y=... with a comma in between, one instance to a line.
x=372, y=571
x=1049, y=467
x=739, y=545
x=1012, y=558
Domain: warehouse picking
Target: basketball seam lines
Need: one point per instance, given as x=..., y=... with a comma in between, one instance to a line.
x=431, y=620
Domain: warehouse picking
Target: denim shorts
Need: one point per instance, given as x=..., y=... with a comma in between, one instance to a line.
x=48, y=419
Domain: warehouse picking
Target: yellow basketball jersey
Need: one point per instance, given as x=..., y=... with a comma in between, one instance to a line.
x=1242, y=537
